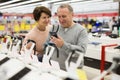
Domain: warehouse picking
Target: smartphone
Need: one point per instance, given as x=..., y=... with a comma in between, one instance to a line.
x=54, y=34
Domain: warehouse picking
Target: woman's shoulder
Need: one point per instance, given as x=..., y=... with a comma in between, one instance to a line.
x=31, y=32
x=49, y=27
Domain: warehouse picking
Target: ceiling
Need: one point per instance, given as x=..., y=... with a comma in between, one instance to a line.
x=23, y=6
x=27, y=6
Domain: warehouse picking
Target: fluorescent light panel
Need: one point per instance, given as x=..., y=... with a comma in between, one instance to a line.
x=27, y=6
x=8, y=2
x=13, y=5
x=20, y=4
x=82, y=1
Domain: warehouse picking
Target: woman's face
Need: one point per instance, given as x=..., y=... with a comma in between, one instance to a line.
x=44, y=20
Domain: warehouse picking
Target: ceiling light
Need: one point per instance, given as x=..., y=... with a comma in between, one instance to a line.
x=18, y=4
x=8, y=2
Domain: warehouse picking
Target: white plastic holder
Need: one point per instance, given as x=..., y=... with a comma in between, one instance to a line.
x=71, y=69
x=46, y=57
x=104, y=73
x=73, y=65
x=15, y=49
x=10, y=68
x=28, y=55
x=4, y=48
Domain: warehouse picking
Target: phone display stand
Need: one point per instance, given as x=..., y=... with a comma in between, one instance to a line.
x=6, y=41
x=15, y=48
x=47, y=57
x=10, y=68
x=28, y=55
x=72, y=66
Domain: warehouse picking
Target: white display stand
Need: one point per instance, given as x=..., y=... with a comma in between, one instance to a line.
x=10, y=68
x=47, y=57
x=39, y=71
x=27, y=54
x=72, y=66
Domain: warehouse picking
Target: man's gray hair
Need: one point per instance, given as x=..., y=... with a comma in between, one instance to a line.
x=66, y=6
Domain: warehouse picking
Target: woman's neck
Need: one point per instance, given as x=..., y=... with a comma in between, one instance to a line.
x=40, y=28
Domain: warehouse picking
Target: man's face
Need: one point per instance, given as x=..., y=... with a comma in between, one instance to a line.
x=65, y=17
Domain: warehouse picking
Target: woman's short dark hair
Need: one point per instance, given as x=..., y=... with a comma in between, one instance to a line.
x=39, y=10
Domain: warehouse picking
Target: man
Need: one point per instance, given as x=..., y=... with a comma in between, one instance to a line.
x=71, y=36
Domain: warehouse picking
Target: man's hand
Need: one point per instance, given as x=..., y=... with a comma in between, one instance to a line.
x=57, y=41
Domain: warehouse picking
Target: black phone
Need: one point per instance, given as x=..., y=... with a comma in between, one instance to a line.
x=54, y=34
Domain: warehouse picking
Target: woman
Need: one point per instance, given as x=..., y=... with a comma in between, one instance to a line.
x=40, y=32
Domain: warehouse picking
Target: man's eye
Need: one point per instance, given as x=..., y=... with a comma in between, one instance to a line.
x=63, y=16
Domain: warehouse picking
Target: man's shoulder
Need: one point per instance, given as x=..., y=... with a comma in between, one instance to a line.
x=79, y=26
